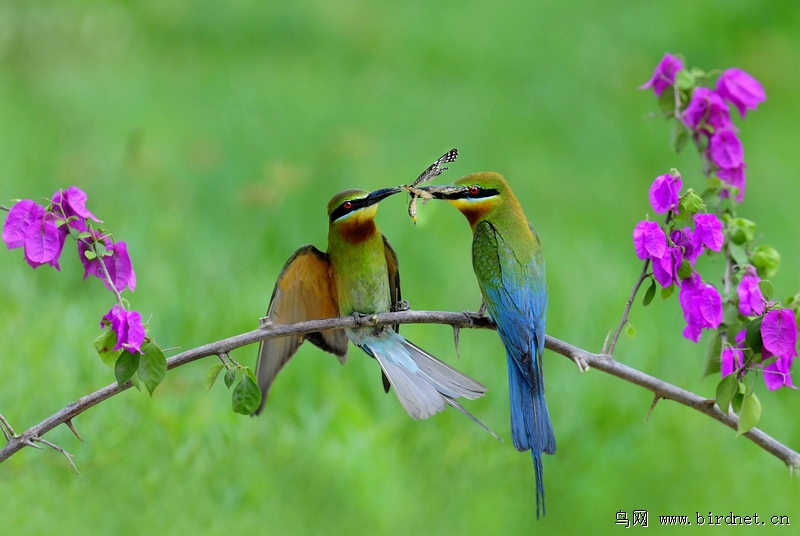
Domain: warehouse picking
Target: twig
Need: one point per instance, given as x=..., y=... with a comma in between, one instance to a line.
x=601, y=362
x=609, y=347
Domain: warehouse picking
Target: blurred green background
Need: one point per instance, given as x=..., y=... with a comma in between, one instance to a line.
x=210, y=136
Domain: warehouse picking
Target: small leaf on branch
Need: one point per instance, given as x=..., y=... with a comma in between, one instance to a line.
x=766, y=289
x=666, y=102
x=104, y=344
x=212, y=373
x=651, y=292
x=230, y=377
x=753, y=337
x=630, y=331
x=726, y=390
x=127, y=364
x=738, y=254
x=685, y=269
x=678, y=137
x=666, y=292
x=711, y=359
x=152, y=366
x=736, y=402
x=246, y=395
x=89, y=255
x=750, y=414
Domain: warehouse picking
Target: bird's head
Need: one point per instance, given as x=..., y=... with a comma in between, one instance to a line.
x=352, y=212
x=476, y=195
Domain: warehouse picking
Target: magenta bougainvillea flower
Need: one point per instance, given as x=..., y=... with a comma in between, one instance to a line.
x=684, y=239
x=736, y=178
x=127, y=325
x=708, y=231
x=72, y=202
x=725, y=150
x=707, y=108
x=701, y=305
x=117, y=262
x=665, y=269
x=741, y=90
x=751, y=301
x=664, y=74
x=779, y=334
x=665, y=193
x=649, y=240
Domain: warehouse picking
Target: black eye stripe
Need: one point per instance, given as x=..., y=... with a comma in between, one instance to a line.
x=481, y=193
x=340, y=211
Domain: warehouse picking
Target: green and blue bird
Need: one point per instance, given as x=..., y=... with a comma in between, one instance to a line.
x=509, y=265
x=358, y=274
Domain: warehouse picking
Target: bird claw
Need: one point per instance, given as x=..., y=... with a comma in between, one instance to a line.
x=402, y=305
x=583, y=365
x=265, y=322
x=365, y=319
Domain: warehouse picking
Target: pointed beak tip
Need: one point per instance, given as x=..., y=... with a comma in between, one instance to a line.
x=383, y=193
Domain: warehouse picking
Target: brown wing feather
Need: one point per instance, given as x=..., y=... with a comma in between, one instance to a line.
x=304, y=291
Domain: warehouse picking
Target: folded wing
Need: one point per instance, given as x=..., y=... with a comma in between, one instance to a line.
x=304, y=291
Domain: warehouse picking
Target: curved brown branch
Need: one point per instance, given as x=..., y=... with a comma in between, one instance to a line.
x=458, y=320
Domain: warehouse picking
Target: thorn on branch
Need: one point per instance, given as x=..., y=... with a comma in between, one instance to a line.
x=652, y=406
x=8, y=431
x=456, y=331
x=74, y=431
x=59, y=449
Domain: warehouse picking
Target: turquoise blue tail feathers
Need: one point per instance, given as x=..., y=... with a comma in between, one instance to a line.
x=423, y=384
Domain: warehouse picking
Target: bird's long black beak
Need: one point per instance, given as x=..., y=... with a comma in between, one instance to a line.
x=380, y=195
x=446, y=192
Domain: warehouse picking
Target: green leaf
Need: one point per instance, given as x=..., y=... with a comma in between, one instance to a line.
x=246, y=396
x=666, y=292
x=651, y=292
x=685, y=80
x=666, y=102
x=767, y=261
x=726, y=389
x=136, y=383
x=212, y=373
x=630, y=331
x=766, y=289
x=753, y=336
x=711, y=362
x=678, y=136
x=152, y=366
x=230, y=377
x=89, y=255
x=750, y=414
x=738, y=254
x=100, y=249
x=685, y=269
x=736, y=402
x=104, y=344
x=127, y=364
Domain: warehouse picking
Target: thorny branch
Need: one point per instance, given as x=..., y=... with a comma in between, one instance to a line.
x=602, y=362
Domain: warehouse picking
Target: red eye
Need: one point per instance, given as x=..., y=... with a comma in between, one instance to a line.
x=348, y=205
x=474, y=190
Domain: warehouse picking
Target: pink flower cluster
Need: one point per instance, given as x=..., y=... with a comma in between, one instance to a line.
x=779, y=336
x=708, y=117
x=42, y=231
x=701, y=303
